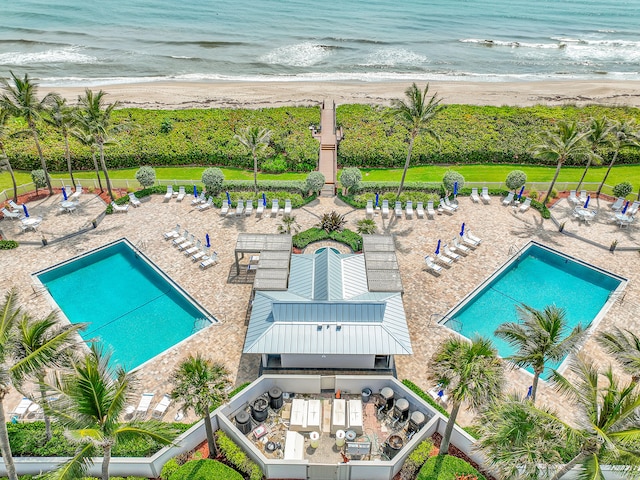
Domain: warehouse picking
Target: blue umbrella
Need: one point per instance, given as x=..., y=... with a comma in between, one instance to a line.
x=438, y=248
x=64, y=193
x=462, y=230
x=586, y=204
x=195, y=191
x=26, y=212
x=455, y=188
x=206, y=237
x=521, y=192
x=624, y=210
x=529, y=391
x=377, y=199
x=228, y=198
x=264, y=200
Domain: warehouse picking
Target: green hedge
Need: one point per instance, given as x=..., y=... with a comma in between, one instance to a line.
x=314, y=234
x=8, y=244
x=205, y=470
x=424, y=396
x=234, y=455
x=447, y=467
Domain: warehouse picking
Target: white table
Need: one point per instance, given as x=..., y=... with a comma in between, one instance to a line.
x=31, y=223
x=584, y=214
x=69, y=206
x=623, y=219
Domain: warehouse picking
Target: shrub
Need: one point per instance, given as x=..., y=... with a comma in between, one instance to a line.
x=366, y=226
x=205, y=470
x=450, y=178
x=212, y=179
x=331, y=222
x=622, y=189
x=39, y=178
x=427, y=398
x=416, y=459
x=288, y=224
x=237, y=457
x=515, y=179
x=349, y=238
x=8, y=244
x=169, y=468
x=276, y=165
x=447, y=467
x=302, y=239
x=350, y=179
x=166, y=126
x=146, y=176
x=314, y=182
x=238, y=389
x=533, y=194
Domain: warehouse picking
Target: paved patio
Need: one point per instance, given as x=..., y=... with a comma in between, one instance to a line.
x=500, y=227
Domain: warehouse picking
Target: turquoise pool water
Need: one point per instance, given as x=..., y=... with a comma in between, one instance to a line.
x=130, y=306
x=322, y=249
x=537, y=277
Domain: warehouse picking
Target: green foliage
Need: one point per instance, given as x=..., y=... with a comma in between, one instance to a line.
x=8, y=244
x=237, y=457
x=146, y=176
x=350, y=178
x=379, y=187
x=424, y=396
x=205, y=470
x=366, y=226
x=238, y=389
x=213, y=179
x=166, y=126
x=288, y=225
x=275, y=165
x=515, y=179
x=169, y=468
x=331, y=222
x=417, y=458
x=349, y=238
x=292, y=186
x=622, y=189
x=542, y=208
x=447, y=467
x=450, y=178
x=533, y=194
x=346, y=236
x=314, y=182
x=304, y=238
x=39, y=178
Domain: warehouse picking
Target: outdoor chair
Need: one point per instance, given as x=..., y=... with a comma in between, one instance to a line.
x=181, y=195
x=15, y=207
x=169, y=194
x=133, y=200
x=508, y=199
x=385, y=208
x=161, y=407
x=446, y=208
x=202, y=255
x=459, y=247
x=369, y=209
x=450, y=204
x=225, y=207
x=449, y=253
x=187, y=243
x=181, y=238
x=119, y=208
x=191, y=250
x=143, y=406
x=287, y=208
x=472, y=237
x=485, y=195
x=409, y=209
x=398, y=210
x=443, y=259
x=12, y=215
x=432, y=266
x=525, y=206
x=213, y=259
x=76, y=195
x=239, y=208
x=249, y=210
x=274, y=207
x=617, y=205
x=172, y=233
x=260, y=209
x=206, y=205
x=430, y=211
x=419, y=210
x=474, y=195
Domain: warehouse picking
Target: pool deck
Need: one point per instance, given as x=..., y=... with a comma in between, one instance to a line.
x=425, y=295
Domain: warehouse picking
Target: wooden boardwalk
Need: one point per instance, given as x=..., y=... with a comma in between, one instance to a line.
x=329, y=137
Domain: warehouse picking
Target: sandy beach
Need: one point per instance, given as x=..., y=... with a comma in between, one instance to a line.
x=181, y=95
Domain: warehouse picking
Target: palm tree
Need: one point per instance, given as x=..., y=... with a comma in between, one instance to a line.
x=470, y=372
x=540, y=337
x=254, y=139
x=200, y=385
x=415, y=112
x=558, y=146
x=60, y=339
x=87, y=140
x=92, y=400
x=625, y=134
x=625, y=347
x=94, y=119
x=599, y=136
x=21, y=100
x=4, y=159
x=609, y=428
x=60, y=116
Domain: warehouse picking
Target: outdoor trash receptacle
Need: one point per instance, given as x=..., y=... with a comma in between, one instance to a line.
x=366, y=394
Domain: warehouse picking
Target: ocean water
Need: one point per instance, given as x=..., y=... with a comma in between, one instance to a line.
x=80, y=42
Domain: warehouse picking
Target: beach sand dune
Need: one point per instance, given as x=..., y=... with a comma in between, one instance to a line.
x=181, y=95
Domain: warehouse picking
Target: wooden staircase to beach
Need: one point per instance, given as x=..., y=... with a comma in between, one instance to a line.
x=329, y=137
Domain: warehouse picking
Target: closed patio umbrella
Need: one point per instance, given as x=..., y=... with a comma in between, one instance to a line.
x=438, y=247
x=195, y=191
x=377, y=199
x=264, y=200
x=228, y=198
x=462, y=230
x=26, y=212
x=206, y=237
x=521, y=192
x=455, y=188
x=586, y=204
x=64, y=193
x=624, y=209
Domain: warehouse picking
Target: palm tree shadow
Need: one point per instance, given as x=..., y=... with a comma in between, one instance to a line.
x=534, y=228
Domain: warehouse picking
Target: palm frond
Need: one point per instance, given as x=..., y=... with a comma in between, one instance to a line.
x=76, y=467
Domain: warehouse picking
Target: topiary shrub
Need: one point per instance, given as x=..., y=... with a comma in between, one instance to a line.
x=212, y=179
x=315, y=182
x=39, y=179
x=8, y=244
x=515, y=179
x=416, y=459
x=205, y=470
x=236, y=457
x=146, y=176
x=447, y=467
x=622, y=189
x=450, y=178
x=166, y=126
x=350, y=179
x=169, y=469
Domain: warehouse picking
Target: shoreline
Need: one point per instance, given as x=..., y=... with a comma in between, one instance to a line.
x=235, y=94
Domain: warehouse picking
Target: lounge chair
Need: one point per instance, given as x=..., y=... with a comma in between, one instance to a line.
x=232, y=211
x=213, y=259
x=225, y=207
x=369, y=209
x=12, y=215
x=68, y=190
x=459, y=247
x=450, y=204
x=143, y=406
x=430, y=211
x=181, y=238
x=133, y=200
x=442, y=258
x=198, y=200
x=409, y=209
x=206, y=205
x=249, y=209
x=431, y=265
x=474, y=195
x=583, y=196
x=287, y=208
x=617, y=205
x=260, y=209
x=191, y=250
x=76, y=195
x=161, y=407
x=172, y=233
x=419, y=210
x=385, y=208
x=508, y=199
x=439, y=396
x=633, y=209
x=181, y=195
x=468, y=242
x=15, y=207
x=240, y=208
x=398, y=210
x=485, y=195
x=119, y=208
x=21, y=409
x=450, y=253
x=472, y=237
x=274, y=207
x=169, y=194
x=187, y=243
x=446, y=208
x=525, y=206
x=202, y=255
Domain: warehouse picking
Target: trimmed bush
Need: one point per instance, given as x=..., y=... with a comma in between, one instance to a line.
x=515, y=179
x=416, y=459
x=39, y=178
x=8, y=244
x=314, y=234
x=447, y=467
x=205, y=470
x=350, y=179
x=146, y=176
x=237, y=457
x=622, y=189
x=314, y=182
x=450, y=178
x=213, y=179
x=275, y=165
x=169, y=469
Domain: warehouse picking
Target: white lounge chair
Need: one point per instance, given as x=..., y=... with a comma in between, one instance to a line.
x=187, y=243
x=15, y=207
x=213, y=259
x=508, y=199
x=460, y=247
x=449, y=253
x=161, y=407
x=172, y=233
x=633, y=209
x=583, y=196
x=525, y=206
x=191, y=250
x=409, y=209
x=76, y=195
x=419, y=210
x=472, y=237
x=197, y=200
x=202, y=255
x=169, y=194
x=485, y=195
x=617, y=205
x=240, y=208
x=474, y=195
x=249, y=210
x=181, y=238
x=442, y=258
x=446, y=208
x=225, y=208
x=468, y=242
x=430, y=211
x=68, y=190
x=450, y=204
x=431, y=265
x=181, y=194
x=143, y=406
x=133, y=200
x=398, y=210
x=260, y=209
x=119, y=208
x=12, y=215
x=21, y=409
x=287, y=208
x=206, y=205
x=385, y=208
x=274, y=207
x=369, y=209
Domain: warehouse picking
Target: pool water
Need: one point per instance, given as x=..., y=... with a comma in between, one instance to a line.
x=322, y=249
x=130, y=306
x=537, y=276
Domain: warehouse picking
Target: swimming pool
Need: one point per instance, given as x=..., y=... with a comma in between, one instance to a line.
x=537, y=276
x=130, y=304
